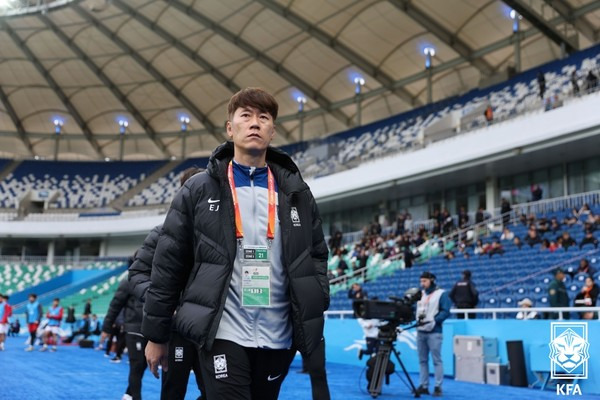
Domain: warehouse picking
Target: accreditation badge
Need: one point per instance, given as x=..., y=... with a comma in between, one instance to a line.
x=256, y=276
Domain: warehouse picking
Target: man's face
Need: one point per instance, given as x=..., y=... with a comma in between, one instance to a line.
x=54, y=303
x=250, y=129
x=31, y=299
x=425, y=283
x=560, y=276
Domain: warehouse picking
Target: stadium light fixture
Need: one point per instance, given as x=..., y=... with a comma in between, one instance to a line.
x=58, y=124
x=301, y=100
x=429, y=54
x=359, y=82
x=185, y=122
x=516, y=17
x=123, y=124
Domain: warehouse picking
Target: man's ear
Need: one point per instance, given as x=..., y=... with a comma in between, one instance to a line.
x=228, y=129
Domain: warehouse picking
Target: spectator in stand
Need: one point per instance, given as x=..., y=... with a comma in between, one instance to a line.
x=585, y=267
x=524, y=314
x=554, y=225
x=566, y=241
x=541, y=79
x=447, y=222
x=495, y=248
x=532, y=238
x=335, y=241
x=408, y=222
x=543, y=226
x=408, y=257
x=463, y=218
x=362, y=258
x=507, y=234
x=558, y=294
x=505, y=210
x=489, y=114
x=480, y=215
x=548, y=245
x=465, y=295
x=400, y=225
x=574, y=83
x=587, y=298
x=591, y=81
x=356, y=292
x=479, y=248
x=589, y=239
x=517, y=242
x=536, y=192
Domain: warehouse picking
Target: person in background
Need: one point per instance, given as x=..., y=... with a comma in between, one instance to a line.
x=5, y=314
x=95, y=328
x=465, y=295
x=55, y=316
x=182, y=356
x=15, y=328
x=33, y=317
x=432, y=310
x=524, y=313
x=88, y=307
x=587, y=298
x=557, y=292
x=132, y=308
x=356, y=292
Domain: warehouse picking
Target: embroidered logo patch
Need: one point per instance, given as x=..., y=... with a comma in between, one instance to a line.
x=295, y=217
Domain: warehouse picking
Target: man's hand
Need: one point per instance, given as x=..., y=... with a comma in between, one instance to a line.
x=157, y=354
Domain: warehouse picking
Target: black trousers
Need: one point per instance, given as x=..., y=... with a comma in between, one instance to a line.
x=233, y=372
x=136, y=344
x=183, y=357
x=315, y=363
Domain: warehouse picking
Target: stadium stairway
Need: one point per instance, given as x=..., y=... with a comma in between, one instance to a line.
x=120, y=202
x=65, y=285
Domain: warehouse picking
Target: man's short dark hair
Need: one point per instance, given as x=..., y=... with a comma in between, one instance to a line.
x=33, y=295
x=254, y=98
x=188, y=173
x=56, y=299
x=467, y=274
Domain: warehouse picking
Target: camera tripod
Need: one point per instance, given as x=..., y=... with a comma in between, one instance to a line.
x=385, y=348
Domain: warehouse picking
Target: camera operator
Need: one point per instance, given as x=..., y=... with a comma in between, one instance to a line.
x=432, y=309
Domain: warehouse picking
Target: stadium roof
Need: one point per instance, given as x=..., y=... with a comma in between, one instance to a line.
x=86, y=65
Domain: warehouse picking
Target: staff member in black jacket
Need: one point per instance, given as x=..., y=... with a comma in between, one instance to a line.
x=464, y=294
x=183, y=355
x=242, y=258
x=133, y=312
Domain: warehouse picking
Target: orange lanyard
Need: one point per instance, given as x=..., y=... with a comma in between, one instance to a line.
x=239, y=230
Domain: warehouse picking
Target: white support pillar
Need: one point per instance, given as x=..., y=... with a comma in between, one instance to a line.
x=50, y=256
x=491, y=194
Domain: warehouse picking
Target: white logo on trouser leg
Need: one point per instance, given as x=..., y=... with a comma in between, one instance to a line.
x=178, y=354
x=220, y=363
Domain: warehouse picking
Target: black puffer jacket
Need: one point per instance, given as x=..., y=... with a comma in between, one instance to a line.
x=140, y=270
x=132, y=307
x=197, y=248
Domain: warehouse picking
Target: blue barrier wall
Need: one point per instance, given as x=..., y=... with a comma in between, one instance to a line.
x=345, y=337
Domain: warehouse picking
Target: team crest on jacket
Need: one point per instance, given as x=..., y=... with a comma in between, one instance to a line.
x=295, y=217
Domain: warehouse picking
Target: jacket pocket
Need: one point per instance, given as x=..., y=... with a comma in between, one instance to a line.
x=218, y=249
x=302, y=265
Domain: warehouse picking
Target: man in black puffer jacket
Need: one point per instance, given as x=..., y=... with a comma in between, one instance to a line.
x=133, y=312
x=183, y=355
x=242, y=258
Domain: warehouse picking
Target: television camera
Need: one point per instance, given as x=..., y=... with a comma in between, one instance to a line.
x=398, y=311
